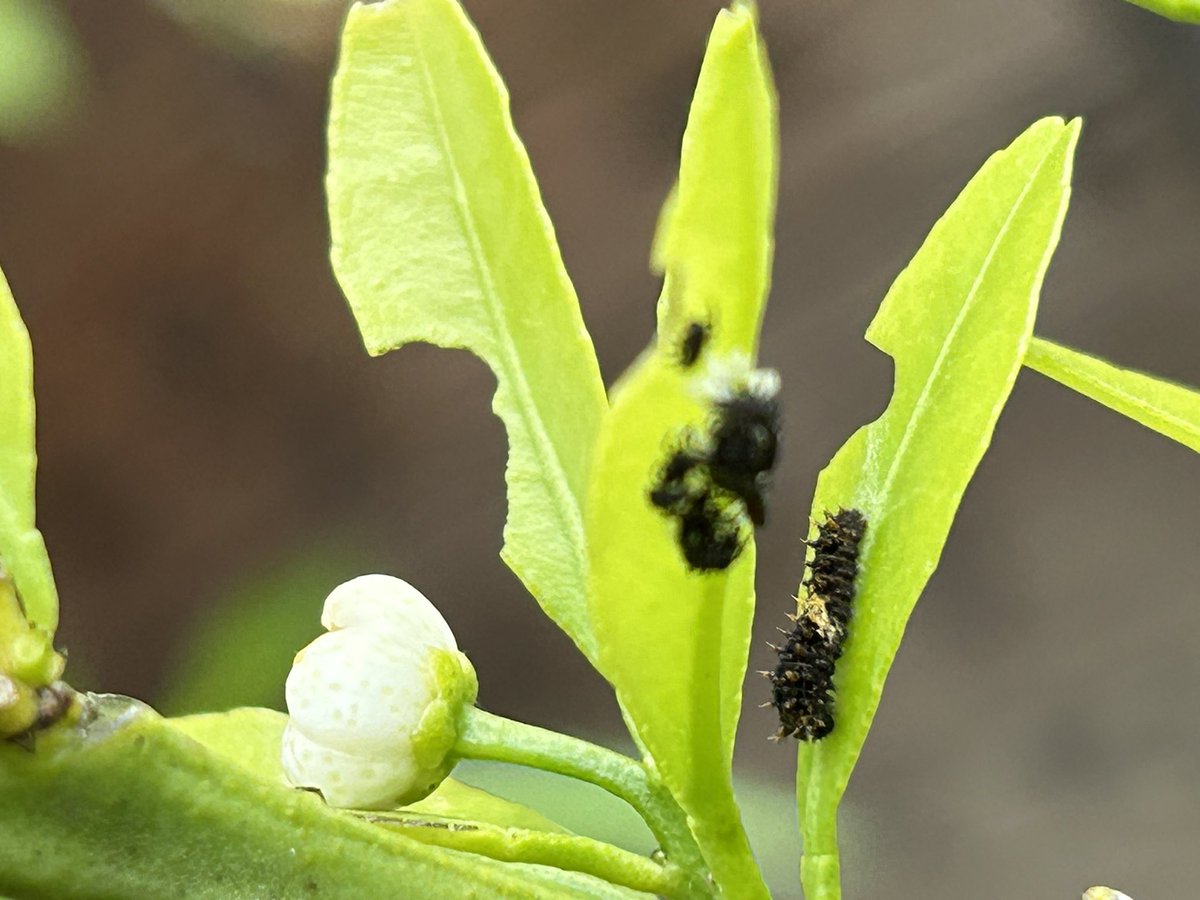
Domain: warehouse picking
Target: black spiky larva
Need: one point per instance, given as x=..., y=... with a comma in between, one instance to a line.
x=802, y=680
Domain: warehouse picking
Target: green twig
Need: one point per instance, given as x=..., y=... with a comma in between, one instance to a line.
x=486, y=736
x=820, y=866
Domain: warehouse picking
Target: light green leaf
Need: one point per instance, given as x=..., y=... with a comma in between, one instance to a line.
x=1179, y=10
x=22, y=550
x=251, y=738
x=439, y=235
x=240, y=650
x=563, y=851
x=581, y=808
x=673, y=641
x=715, y=240
x=957, y=322
x=455, y=815
x=1170, y=409
x=456, y=800
x=131, y=803
x=41, y=69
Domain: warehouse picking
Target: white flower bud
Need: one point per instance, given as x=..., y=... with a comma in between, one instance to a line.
x=375, y=702
x=1104, y=893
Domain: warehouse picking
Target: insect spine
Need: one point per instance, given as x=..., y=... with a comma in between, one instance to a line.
x=694, y=339
x=802, y=681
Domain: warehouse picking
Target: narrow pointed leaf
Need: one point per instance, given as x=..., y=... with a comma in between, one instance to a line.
x=22, y=550
x=674, y=641
x=715, y=238
x=1168, y=408
x=957, y=323
x=1179, y=10
x=129, y=803
x=439, y=235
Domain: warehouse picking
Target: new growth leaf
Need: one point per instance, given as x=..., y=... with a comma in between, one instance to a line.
x=957, y=322
x=674, y=641
x=439, y=235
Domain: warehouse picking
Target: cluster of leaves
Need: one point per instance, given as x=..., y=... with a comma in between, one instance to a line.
x=439, y=235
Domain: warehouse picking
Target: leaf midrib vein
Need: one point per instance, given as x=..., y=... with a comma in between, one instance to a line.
x=922, y=402
x=567, y=509
x=1070, y=370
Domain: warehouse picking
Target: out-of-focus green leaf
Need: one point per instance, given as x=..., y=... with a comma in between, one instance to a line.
x=674, y=641
x=577, y=806
x=40, y=68
x=240, y=650
x=1170, y=409
x=270, y=30
x=125, y=801
x=439, y=235
x=957, y=322
x=1179, y=10
x=22, y=550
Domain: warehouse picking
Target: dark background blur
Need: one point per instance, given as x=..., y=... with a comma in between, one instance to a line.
x=217, y=450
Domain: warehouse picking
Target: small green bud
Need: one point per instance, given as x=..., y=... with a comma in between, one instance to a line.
x=28, y=664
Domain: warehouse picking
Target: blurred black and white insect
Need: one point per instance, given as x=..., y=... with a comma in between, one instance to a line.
x=715, y=477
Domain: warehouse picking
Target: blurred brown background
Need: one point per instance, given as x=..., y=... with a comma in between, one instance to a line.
x=210, y=428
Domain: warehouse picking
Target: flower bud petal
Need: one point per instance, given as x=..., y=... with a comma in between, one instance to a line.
x=382, y=601
x=358, y=688
x=347, y=780
x=375, y=702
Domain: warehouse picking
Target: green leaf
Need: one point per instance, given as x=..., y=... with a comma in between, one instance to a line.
x=439, y=235
x=1179, y=10
x=563, y=851
x=251, y=738
x=957, y=322
x=579, y=807
x=22, y=550
x=129, y=802
x=41, y=69
x=1170, y=409
x=673, y=641
x=248, y=737
x=715, y=240
x=240, y=650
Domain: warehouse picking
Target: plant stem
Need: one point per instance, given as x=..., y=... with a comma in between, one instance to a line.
x=820, y=874
x=486, y=736
x=820, y=867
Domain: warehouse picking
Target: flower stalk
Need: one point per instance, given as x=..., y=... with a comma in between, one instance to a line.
x=485, y=736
